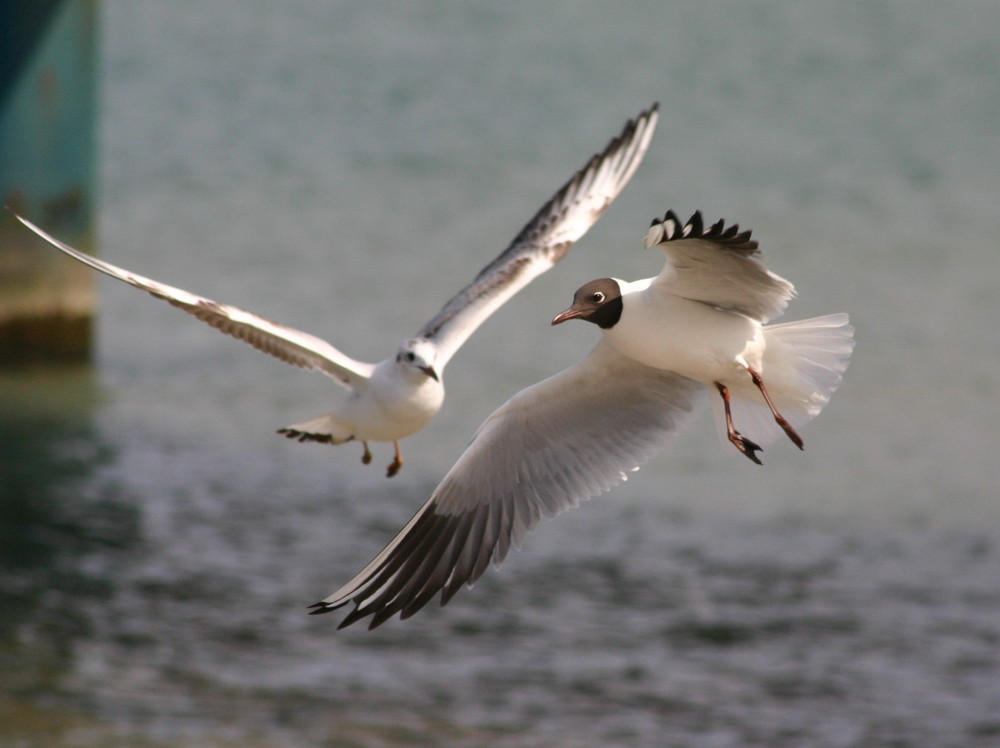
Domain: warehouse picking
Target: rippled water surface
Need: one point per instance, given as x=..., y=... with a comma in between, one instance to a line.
x=345, y=167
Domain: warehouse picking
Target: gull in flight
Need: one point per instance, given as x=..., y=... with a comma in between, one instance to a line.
x=699, y=324
x=397, y=397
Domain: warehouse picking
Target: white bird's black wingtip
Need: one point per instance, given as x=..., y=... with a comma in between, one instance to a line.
x=671, y=228
x=627, y=150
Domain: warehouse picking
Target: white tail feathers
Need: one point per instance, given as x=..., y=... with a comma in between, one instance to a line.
x=325, y=429
x=803, y=365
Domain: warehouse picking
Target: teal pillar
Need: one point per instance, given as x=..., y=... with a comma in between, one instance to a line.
x=48, y=103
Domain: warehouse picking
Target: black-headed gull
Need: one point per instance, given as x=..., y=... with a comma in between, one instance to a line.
x=703, y=317
x=699, y=323
x=393, y=399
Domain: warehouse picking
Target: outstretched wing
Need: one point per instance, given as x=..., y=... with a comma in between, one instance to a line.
x=565, y=439
x=285, y=343
x=718, y=266
x=546, y=238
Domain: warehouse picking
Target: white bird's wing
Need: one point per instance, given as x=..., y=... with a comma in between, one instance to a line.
x=285, y=343
x=718, y=266
x=563, y=440
x=546, y=238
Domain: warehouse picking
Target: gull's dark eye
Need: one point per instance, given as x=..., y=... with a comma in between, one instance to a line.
x=597, y=298
x=411, y=357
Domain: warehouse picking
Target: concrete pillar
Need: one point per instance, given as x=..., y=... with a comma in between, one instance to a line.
x=48, y=102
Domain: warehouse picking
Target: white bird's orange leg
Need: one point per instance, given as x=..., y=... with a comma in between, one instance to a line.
x=366, y=458
x=780, y=419
x=739, y=441
x=396, y=464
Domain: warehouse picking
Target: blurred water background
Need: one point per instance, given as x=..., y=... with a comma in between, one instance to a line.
x=344, y=167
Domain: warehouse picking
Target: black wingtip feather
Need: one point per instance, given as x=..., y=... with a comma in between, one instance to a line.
x=694, y=228
x=695, y=225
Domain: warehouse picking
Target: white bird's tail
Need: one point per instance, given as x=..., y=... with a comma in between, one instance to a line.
x=803, y=365
x=324, y=429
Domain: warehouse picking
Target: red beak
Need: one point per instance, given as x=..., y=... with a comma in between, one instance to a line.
x=567, y=314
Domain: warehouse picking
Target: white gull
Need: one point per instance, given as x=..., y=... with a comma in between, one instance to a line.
x=397, y=397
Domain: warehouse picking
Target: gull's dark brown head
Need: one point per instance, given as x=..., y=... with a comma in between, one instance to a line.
x=599, y=301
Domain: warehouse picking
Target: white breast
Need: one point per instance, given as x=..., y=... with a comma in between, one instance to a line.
x=688, y=337
x=393, y=407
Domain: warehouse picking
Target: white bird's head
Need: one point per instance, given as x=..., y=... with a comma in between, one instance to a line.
x=418, y=354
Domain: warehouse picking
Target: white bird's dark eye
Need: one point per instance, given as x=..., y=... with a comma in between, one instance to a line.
x=410, y=356
x=597, y=298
